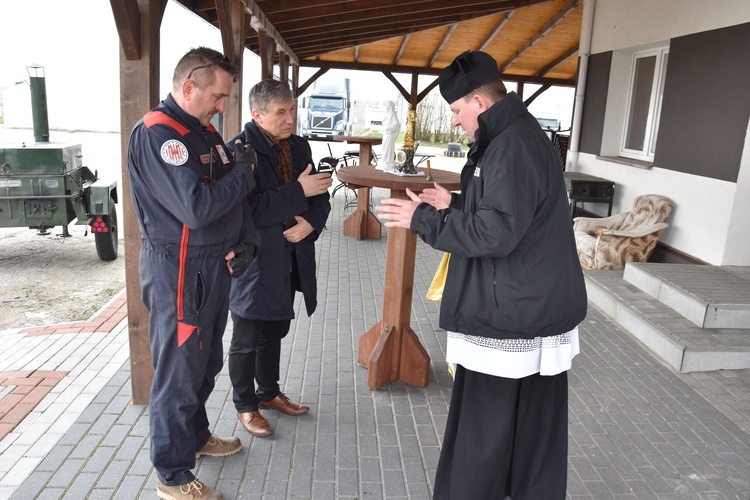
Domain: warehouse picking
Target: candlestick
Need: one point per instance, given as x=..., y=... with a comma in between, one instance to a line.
x=429, y=172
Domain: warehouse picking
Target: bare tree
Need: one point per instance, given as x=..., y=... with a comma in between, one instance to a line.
x=434, y=121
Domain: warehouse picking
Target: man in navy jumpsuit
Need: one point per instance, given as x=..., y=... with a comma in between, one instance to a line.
x=190, y=196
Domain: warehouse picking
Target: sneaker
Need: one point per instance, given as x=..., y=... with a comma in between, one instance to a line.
x=220, y=447
x=190, y=491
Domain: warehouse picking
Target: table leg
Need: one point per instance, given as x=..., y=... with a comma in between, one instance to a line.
x=365, y=153
x=362, y=223
x=390, y=349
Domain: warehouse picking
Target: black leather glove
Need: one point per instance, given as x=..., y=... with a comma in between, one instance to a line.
x=243, y=257
x=244, y=153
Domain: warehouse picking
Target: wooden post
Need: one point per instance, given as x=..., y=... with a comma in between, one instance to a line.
x=237, y=36
x=139, y=93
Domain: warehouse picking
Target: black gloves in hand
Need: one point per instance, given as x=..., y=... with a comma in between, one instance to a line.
x=243, y=257
x=244, y=153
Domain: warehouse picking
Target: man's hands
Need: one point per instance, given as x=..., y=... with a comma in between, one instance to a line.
x=439, y=197
x=239, y=258
x=399, y=212
x=244, y=153
x=300, y=231
x=314, y=184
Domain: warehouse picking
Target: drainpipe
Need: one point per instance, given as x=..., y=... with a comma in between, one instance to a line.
x=584, y=50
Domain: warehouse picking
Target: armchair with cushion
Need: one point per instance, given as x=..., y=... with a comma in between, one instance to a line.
x=610, y=242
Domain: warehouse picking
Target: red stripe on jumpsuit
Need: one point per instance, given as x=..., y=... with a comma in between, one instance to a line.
x=184, y=330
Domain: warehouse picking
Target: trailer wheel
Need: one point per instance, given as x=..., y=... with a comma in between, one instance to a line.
x=106, y=243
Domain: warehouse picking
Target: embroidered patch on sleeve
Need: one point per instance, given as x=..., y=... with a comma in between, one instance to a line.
x=174, y=152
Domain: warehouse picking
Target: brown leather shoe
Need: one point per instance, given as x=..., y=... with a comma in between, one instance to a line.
x=190, y=491
x=255, y=424
x=284, y=405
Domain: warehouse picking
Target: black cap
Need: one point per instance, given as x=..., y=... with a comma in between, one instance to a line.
x=466, y=73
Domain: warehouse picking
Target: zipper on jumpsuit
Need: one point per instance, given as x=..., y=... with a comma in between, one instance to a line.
x=200, y=277
x=198, y=311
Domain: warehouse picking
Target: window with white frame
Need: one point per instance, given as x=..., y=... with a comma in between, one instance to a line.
x=646, y=91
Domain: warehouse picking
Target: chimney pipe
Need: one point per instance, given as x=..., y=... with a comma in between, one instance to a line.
x=38, y=102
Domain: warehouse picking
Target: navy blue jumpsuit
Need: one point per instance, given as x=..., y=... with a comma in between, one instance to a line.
x=190, y=197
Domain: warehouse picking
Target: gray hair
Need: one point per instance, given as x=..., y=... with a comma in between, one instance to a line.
x=266, y=91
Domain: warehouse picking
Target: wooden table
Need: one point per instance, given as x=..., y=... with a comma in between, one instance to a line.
x=391, y=350
x=365, y=145
x=370, y=226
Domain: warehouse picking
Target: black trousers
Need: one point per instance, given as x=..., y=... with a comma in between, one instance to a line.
x=254, y=356
x=505, y=437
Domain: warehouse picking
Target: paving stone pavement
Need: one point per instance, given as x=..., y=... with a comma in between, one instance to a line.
x=637, y=429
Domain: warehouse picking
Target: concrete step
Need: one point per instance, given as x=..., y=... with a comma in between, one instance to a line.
x=708, y=296
x=678, y=342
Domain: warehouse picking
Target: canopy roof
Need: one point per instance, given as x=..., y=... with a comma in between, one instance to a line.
x=534, y=41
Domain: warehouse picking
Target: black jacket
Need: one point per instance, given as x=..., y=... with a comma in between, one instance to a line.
x=514, y=270
x=264, y=291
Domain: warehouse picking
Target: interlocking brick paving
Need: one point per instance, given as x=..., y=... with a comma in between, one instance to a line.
x=105, y=321
x=29, y=388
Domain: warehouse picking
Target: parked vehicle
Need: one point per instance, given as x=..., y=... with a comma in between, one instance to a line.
x=44, y=184
x=326, y=112
x=549, y=123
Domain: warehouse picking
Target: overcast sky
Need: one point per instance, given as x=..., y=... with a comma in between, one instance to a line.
x=77, y=43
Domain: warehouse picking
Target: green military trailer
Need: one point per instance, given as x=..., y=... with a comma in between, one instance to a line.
x=44, y=184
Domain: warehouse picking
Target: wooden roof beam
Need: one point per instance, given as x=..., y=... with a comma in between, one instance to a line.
x=446, y=36
x=401, y=15
x=310, y=80
x=401, y=49
x=567, y=9
x=496, y=30
x=559, y=60
x=199, y=5
x=273, y=6
x=224, y=15
x=382, y=30
x=128, y=23
x=259, y=21
x=536, y=94
x=398, y=85
x=366, y=9
x=427, y=71
x=321, y=46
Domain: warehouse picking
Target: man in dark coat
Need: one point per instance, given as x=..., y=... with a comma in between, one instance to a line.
x=513, y=298
x=290, y=209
